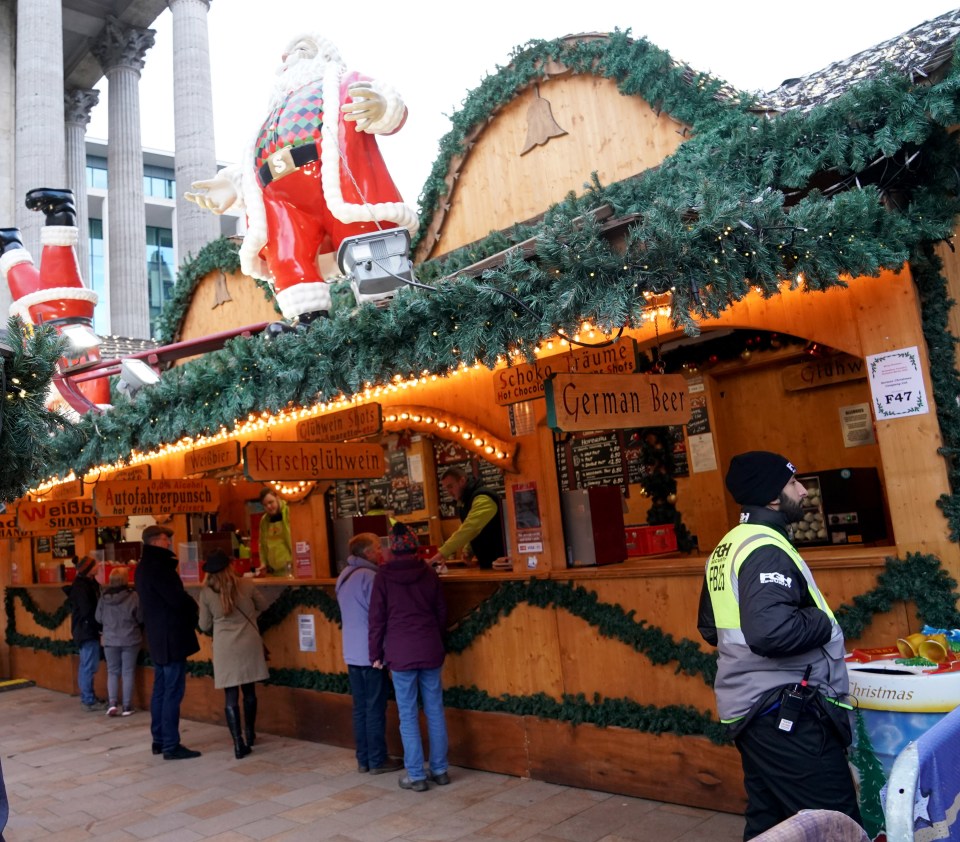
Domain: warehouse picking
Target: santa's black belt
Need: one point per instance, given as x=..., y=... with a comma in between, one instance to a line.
x=285, y=161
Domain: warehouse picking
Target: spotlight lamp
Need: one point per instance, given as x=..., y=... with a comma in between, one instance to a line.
x=134, y=375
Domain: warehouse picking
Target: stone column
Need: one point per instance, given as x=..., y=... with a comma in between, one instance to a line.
x=120, y=50
x=192, y=122
x=8, y=93
x=39, y=142
x=77, y=105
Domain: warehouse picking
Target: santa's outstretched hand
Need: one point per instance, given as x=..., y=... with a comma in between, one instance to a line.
x=217, y=194
x=367, y=107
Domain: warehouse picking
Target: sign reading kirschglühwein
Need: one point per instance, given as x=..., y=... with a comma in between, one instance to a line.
x=616, y=401
x=214, y=457
x=50, y=518
x=525, y=382
x=158, y=496
x=353, y=423
x=279, y=460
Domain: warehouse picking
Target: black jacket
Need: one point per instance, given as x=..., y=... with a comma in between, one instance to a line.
x=84, y=594
x=488, y=545
x=169, y=613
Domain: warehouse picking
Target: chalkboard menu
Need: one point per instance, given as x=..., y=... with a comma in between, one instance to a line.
x=450, y=455
x=613, y=457
x=400, y=494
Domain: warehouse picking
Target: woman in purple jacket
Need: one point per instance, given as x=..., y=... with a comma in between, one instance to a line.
x=407, y=619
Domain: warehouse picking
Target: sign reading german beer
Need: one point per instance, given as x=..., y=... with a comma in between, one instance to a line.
x=159, y=496
x=215, y=457
x=70, y=515
x=284, y=460
x=352, y=423
x=615, y=401
x=526, y=382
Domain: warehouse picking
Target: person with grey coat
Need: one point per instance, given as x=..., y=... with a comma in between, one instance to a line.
x=229, y=607
x=118, y=611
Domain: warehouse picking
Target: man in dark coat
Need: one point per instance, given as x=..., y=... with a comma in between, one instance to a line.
x=170, y=619
x=84, y=594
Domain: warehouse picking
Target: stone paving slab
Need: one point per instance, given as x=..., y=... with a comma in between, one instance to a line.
x=74, y=776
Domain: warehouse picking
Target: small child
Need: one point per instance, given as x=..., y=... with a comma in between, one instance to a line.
x=119, y=613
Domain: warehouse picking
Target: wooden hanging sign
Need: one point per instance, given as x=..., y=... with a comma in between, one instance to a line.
x=50, y=518
x=352, y=423
x=526, y=382
x=159, y=496
x=72, y=490
x=214, y=457
x=614, y=401
x=133, y=472
x=282, y=460
x=824, y=372
x=8, y=527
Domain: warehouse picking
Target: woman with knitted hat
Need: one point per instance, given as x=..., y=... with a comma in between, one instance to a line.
x=229, y=607
x=408, y=617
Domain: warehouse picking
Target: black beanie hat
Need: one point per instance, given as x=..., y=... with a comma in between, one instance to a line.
x=757, y=477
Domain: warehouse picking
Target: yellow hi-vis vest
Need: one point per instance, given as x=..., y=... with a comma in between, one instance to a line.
x=743, y=676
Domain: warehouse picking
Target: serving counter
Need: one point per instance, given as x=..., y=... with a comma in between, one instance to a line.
x=588, y=677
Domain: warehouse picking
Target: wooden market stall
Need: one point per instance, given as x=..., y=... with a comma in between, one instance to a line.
x=550, y=660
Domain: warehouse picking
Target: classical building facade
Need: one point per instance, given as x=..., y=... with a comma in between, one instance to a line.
x=53, y=55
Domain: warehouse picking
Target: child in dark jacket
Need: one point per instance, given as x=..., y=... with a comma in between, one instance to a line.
x=119, y=613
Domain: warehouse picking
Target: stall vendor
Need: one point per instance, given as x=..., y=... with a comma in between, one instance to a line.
x=482, y=522
x=276, y=545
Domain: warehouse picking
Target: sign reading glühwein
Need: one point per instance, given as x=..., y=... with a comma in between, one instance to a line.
x=616, y=401
x=278, y=460
x=50, y=518
x=526, y=382
x=159, y=496
x=352, y=423
x=214, y=457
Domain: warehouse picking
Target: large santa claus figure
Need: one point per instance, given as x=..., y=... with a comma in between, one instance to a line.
x=313, y=176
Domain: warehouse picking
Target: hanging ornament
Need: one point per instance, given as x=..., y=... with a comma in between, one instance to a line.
x=774, y=341
x=745, y=354
x=671, y=498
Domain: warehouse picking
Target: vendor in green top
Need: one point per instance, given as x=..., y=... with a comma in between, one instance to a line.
x=481, y=530
x=276, y=545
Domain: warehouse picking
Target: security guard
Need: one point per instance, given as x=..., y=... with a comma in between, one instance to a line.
x=781, y=680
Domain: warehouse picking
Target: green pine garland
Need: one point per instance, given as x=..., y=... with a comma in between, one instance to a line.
x=292, y=598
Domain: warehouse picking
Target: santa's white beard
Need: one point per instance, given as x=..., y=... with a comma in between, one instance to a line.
x=300, y=73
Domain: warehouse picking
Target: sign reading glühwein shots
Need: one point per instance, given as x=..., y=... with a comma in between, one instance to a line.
x=353, y=423
x=616, y=401
x=158, y=496
x=279, y=460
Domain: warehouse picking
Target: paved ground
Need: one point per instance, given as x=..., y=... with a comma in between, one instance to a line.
x=72, y=775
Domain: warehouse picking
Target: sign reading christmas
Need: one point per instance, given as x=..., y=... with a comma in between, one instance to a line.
x=161, y=496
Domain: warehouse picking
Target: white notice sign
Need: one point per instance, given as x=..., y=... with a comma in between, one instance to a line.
x=703, y=455
x=896, y=383
x=307, y=633
x=856, y=424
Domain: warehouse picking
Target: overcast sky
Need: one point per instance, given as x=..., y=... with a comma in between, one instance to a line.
x=435, y=53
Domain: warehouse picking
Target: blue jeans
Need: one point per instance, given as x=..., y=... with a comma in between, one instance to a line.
x=368, y=686
x=169, y=684
x=121, y=660
x=405, y=685
x=89, y=662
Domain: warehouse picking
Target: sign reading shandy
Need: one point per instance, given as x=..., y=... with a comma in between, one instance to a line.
x=159, y=496
x=50, y=518
x=525, y=382
x=615, y=401
x=287, y=460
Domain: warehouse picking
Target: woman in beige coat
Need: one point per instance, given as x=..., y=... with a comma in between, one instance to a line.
x=229, y=607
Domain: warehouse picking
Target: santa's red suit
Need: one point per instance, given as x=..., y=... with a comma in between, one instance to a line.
x=54, y=293
x=311, y=180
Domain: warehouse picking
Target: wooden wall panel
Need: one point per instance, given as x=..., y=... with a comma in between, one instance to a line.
x=246, y=304
x=614, y=135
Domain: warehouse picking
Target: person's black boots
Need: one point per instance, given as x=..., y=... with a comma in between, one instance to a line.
x=250, y=719
x=10, y=239
x=58, y=205
x=240, y=749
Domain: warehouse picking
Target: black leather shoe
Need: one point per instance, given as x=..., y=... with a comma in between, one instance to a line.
x=416, y=786
x=10, y=239
x=58, y=205
x=441, y=780
x=362, y=769
x=388, y=765
x=156, y=748
x=180, y=753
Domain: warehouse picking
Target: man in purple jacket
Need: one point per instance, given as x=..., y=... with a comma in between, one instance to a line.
x=408, y=617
